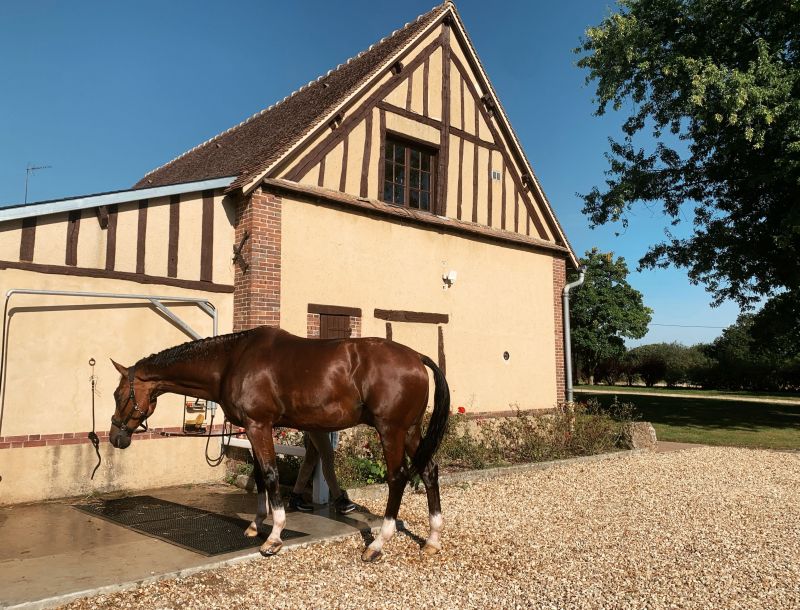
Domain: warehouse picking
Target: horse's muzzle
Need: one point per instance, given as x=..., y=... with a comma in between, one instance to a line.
x=118, y=438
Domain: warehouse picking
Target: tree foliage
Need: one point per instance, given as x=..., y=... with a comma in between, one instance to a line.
x=605, y=311
x=717, y=83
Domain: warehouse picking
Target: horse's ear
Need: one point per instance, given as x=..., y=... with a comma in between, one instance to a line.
x=122, y=370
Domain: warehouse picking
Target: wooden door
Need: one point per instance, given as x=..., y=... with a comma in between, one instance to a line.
x=334, y=327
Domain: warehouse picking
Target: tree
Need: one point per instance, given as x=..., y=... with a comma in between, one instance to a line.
x=717, y=83
x=605, y=311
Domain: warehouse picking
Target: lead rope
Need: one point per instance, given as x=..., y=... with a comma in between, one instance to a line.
x=95, y=440
x=216, y=461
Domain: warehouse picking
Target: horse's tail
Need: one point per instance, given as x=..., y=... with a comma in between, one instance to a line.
x=438, y=423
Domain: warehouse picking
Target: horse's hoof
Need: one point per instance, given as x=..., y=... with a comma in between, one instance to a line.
x=268, y=549
x=430, y=549
x=371, y=555
x=251, y=531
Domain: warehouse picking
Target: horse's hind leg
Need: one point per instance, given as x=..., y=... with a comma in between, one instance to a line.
x=393, y=451
x=262, y=511
x=430, y=478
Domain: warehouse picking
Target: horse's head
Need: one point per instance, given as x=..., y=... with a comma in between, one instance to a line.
x=135, y=402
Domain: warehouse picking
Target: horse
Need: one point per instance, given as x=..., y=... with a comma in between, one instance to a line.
x=266, y=377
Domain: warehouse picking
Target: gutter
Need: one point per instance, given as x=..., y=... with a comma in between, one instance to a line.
x=567, y=335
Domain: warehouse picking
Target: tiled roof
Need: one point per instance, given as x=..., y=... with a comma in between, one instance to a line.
x=264, y=137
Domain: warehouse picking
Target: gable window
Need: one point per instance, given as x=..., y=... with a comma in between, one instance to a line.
x=408, y=174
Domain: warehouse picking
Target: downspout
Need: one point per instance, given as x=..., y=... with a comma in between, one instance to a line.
x=567, y=336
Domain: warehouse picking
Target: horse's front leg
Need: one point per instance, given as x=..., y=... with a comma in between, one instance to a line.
x=260, y=437
x=261, y=511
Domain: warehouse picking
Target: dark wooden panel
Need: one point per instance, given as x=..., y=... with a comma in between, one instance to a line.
x=334, y=327
x=73, y=229
x=442, y=359
x=389, y=331
x=503, y=210
x=460, y=193
x=111, y=237
x=425, y=79
x=207, y=239
x=490, y=190
x=425, y=120
x=343, y=177
x=174, y=234
x=365, y=161
x=28, y=239
x=321, y=179
x=409, y=90
x=116, y=275
x=444, y=146
x=334, y=310
x=141, y=236
x=419, y=317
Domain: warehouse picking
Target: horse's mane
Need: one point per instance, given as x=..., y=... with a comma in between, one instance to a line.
x=192, y=350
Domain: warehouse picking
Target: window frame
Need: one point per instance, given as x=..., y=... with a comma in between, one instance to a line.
x=410, y=144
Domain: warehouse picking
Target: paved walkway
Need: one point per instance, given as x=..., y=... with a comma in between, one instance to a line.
x=767, y=399
x=52, y=549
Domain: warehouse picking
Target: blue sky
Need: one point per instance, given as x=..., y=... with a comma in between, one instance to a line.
x=106, y=91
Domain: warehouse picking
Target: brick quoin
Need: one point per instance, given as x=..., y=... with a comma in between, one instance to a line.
x=257, y=291
x=559, y=281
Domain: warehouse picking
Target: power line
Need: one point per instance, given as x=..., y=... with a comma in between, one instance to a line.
x=687, y=325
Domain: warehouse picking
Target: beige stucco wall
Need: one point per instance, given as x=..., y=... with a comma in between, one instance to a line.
x=50, y=341
x=501, y=301
x=40, y=473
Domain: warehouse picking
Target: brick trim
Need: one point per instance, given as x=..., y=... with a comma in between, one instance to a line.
x=312, y=325
x=257, y=288
x=559, y=281
x=81, y=438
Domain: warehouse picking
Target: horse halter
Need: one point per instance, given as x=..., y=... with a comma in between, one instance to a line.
x=123, y=424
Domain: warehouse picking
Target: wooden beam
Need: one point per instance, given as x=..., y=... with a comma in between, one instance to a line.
x=418, y=317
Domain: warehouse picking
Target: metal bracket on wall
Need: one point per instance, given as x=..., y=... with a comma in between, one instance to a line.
x=237, y=253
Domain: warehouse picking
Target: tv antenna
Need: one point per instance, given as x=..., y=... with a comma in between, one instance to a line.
x=28, y=171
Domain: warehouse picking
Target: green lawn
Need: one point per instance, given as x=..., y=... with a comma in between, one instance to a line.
x=687, y=391
x=717, y=422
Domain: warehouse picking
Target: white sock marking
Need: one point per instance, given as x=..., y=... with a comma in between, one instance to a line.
x=387, y=531
x=278, y=523
x=436, y=529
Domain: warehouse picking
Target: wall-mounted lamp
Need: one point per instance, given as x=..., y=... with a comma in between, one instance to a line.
x=449, y=279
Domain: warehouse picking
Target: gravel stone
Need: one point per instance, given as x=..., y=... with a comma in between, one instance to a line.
x=705, y=528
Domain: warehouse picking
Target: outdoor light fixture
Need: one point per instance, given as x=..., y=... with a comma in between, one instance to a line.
x=449, y=279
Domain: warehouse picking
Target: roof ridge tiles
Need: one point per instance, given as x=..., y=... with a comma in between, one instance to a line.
x=291, y=95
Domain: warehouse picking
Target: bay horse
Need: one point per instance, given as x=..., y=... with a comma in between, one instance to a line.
x=266, y=377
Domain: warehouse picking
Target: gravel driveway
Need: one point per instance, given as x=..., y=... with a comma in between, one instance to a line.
x=705, y=528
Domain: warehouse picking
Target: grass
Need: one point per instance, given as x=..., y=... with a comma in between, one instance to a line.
x=622, y=389
x=696, y=419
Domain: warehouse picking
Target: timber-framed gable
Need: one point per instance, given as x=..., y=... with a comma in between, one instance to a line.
x=436, y=94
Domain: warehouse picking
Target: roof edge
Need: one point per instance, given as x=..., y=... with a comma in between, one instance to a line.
x=83, y=202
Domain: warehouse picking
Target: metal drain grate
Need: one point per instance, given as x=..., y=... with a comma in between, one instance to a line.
x=185, y=526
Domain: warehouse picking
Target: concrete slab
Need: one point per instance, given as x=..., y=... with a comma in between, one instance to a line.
x=52, y=549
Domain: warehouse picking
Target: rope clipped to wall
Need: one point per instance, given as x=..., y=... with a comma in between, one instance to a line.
x=93, y=438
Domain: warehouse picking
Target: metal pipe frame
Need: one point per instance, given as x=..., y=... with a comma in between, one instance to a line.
x=156, y=300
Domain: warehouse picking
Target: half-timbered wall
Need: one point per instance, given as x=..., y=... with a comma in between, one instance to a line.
x=153, y=248
x=435, y=98
x=170, y=241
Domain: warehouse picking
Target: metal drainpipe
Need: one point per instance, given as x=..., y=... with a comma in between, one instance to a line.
x=567, y=336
